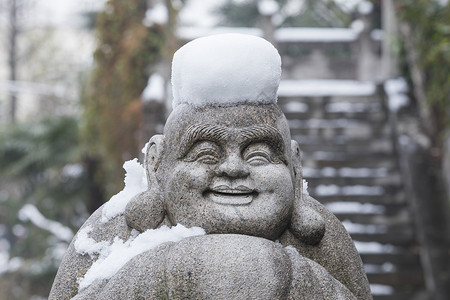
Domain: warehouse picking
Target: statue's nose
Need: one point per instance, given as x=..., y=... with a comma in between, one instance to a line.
x=234, y=166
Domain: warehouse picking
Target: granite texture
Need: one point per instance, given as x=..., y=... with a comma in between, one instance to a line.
x=235, y=172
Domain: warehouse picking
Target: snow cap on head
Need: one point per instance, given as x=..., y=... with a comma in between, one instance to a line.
x=226, y=69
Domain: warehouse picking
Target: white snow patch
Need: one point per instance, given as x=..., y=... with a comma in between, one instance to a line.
x=345, y=172
x=156, y=15
x=155, y=89
x=72, y=170
x=324, y=87
x=295, y=107
x=324, y=123
x=355, y=208
x=9, y=265
x=191, y=33
x=315, y=35
x=349, y=190
x=349, y=107
x=267, y=7
x=29, y=212
x=381, y=289
x=358, y=26
x=282, y=35
x=305, y=187
x=113, y=256
x=226, y=69
x=135, y=183
x=365, y=7
x=396, y=90
x=387, y=267
x=374, y=247
x=364, y=228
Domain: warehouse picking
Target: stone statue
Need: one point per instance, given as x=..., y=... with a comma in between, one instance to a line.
x=225, y=163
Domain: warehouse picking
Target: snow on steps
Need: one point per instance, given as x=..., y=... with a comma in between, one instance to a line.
x=351, y=166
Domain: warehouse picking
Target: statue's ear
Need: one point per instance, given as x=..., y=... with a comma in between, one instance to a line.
x=146, y=210
x=153, y=157
x=307, y=224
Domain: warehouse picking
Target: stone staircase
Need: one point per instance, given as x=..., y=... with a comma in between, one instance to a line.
x=351, y=165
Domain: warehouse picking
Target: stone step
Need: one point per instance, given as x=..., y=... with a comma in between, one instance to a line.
x=404, y=279
x=394, y=180
x=405, y=238
x=378, y=215
x=401, y=295
x=342, y=159
x=389, y=201
x=342, y=126
x=365, y=117
x=366, y=146
x=400, y=259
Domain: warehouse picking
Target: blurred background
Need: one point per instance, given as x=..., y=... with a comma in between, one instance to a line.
x=366, y=89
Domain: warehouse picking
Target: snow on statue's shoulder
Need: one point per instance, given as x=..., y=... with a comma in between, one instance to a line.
x=226, y=69
x=135, y=183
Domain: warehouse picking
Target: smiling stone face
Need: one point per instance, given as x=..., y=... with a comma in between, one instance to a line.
x=227, y=172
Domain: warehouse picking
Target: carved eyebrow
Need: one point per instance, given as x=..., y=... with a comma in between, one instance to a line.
x=198, y=132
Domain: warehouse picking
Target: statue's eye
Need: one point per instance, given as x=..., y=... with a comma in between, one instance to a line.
x=204, y=152
x=259, y=154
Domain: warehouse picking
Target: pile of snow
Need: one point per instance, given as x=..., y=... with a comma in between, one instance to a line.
x=113, y=256
x=135, y=183
x=226, y=69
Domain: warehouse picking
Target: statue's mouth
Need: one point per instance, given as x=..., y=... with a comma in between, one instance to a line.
x=223, y=194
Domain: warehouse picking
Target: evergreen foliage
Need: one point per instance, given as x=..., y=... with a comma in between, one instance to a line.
x=40, y=164
x=430, y=23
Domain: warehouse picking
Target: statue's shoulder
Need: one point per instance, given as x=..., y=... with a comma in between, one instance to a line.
x=81, y=255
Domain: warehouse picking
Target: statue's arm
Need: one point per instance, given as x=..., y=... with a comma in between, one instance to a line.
x=311, y=281
x=74, y=264
x=336, y=251
x=143, y=277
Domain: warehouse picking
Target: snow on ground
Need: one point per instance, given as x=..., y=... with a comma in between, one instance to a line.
x=113, y=256
x=210, y=70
